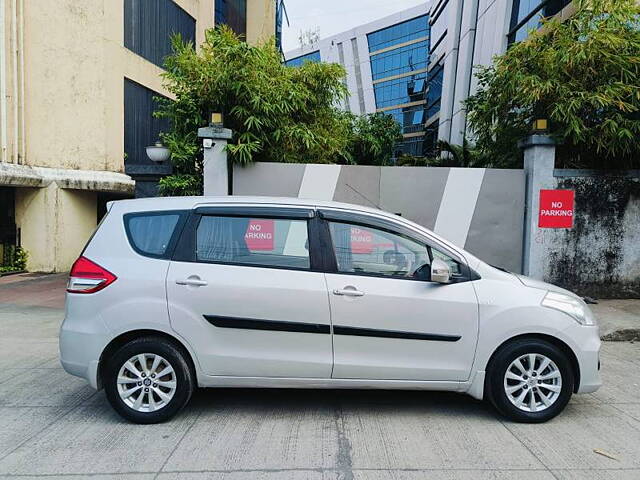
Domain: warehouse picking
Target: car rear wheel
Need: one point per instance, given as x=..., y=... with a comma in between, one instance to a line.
x=530, y=380
x=148, y=380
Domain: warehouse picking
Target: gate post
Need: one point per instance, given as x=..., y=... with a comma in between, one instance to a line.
x=215, y=169
x=539, y=162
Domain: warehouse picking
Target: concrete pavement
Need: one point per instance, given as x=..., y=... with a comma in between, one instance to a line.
x=53, y=425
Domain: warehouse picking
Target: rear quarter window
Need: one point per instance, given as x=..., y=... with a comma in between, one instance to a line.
x=153, y=234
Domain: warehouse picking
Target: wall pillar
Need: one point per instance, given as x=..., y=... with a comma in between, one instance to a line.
x=55, y=224
x=539, y=162
x=215, y=169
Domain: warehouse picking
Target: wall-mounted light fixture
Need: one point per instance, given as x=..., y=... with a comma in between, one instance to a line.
x=158, y=153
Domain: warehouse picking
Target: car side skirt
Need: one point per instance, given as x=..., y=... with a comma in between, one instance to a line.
x=328, y=383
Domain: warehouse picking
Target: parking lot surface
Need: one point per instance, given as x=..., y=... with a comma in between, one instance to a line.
x=52, y=425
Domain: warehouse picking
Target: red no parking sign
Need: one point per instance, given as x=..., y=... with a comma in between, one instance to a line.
x=556, y=209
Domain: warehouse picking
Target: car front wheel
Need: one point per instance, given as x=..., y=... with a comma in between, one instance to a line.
x=530, y=380
x=148, y=380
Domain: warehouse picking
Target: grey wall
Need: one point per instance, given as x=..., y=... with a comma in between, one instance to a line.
x=481, y=210
x=600, y=255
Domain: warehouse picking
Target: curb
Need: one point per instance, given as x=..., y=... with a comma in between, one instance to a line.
x=624, y=335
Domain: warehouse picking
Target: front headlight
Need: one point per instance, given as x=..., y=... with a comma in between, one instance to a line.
x=573, y=307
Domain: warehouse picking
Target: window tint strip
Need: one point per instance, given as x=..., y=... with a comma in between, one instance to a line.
x=272, y=325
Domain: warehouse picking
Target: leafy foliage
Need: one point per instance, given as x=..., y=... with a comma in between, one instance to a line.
x=581, y=74
x=15, y=259
x=372, y=139
x=277, y=113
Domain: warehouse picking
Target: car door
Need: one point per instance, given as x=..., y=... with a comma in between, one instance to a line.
x=389, y=321
x=243, y=288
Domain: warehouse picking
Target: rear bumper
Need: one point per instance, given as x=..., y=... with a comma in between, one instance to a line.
x=81, y=344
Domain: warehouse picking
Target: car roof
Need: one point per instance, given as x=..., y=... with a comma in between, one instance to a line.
x=170, y=203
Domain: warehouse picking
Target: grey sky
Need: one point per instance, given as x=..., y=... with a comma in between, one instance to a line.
x=335, y=16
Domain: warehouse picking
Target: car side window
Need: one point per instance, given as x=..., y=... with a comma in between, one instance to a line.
x=151, y=233
x=253, y=241
x=369, y=250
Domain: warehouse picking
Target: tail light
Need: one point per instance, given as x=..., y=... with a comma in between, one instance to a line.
x=88, y=277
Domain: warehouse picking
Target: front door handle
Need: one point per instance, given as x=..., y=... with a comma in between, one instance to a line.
x=348, y=292
x=192, y=282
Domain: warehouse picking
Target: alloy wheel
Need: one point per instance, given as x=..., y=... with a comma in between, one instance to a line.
x=533, y=382
x=146, y=382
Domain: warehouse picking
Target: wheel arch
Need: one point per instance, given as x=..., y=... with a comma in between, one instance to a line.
x=566, y=349
x=126, y=337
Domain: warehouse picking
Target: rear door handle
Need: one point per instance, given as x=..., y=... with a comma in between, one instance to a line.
x=348, y=292
x=192, y=282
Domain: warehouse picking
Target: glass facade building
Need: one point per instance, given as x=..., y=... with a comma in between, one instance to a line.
x=399, y=56
x=528, y=14
x=386, y=63
x=298, y=61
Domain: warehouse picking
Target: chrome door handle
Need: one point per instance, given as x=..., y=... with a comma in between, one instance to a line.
x=348, y=292
x=192, y=282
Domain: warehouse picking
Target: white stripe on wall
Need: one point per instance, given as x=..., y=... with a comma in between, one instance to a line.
x=458, y=204
x=319, y=181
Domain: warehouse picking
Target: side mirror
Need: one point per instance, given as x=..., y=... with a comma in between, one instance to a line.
x=440, y=271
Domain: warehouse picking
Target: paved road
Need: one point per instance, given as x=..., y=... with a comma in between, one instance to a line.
x=53, y=425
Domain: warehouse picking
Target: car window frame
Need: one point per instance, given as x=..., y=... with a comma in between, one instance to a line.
x=187, y=244
x=394, y=228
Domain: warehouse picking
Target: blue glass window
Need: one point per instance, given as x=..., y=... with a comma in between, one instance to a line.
x=398, y=91
x=409, y=118
x=298, y=61
x=528, y=14
x=434, y=93
x=400, y=60
x=402, y=32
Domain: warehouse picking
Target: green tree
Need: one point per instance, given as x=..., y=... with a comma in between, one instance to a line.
x=277, y=113
x=465, y=155
x=372, y=139
x=581, y=74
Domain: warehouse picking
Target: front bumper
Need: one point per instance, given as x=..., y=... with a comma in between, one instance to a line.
x=587, y=350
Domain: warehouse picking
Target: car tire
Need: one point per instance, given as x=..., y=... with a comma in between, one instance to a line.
x=530, y=393
x=153, y=393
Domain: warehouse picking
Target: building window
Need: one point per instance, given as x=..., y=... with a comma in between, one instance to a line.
x=402, y=32
x=411, y=119
x=232, y=13
x=400, y=60
x=434, y=94
x=527, y=15
x=431, y=139
x=400, y=90
x=298, y=61
x=149, y=25
x=141, y=128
